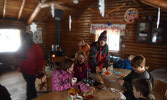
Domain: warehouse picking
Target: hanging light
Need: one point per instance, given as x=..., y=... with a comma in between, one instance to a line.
x=75, y=1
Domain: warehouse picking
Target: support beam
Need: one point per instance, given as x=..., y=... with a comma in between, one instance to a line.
x=35, y=13
x=95, y=11
x=156, y=3
x=4, y=9
x=138, y=2
x=119, y=7
x=57, y=5
x=21, y=9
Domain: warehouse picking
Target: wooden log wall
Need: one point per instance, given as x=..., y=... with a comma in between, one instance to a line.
x=156, y=55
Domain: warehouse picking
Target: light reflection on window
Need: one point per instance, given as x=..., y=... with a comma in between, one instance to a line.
x=10, y=40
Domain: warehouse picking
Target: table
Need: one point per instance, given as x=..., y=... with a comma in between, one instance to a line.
x=99, y=94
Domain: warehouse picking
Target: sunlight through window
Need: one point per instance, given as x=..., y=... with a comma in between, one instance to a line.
x=10, y=40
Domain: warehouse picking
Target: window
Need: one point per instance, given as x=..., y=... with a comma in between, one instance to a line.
x=113, y=39
x=10, y=40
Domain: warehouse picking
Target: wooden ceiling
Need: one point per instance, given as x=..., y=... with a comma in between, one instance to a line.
x=39, y=10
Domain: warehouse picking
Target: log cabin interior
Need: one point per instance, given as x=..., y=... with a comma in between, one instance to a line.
x=136, y=20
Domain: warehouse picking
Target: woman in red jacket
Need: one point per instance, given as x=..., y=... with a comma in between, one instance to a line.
x=31, y=62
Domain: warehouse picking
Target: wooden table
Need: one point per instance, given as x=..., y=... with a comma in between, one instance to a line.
x=99, y=94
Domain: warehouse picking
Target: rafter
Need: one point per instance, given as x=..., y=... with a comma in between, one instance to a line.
x=161, y=3
x=21, y=9
x=95, y=11
x=138, y=2
x=35, y=13
x=119, y=7
x=4, y=9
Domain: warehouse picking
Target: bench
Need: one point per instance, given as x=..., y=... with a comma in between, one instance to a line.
x=159, y=89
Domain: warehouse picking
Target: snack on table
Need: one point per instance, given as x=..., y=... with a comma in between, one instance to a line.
x=108, y=73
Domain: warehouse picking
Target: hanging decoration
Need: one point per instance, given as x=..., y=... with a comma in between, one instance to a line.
x=33, y=27
x=158, y=20
x=70, y=23
x=102, y=7
x=75, y=1
x=37, y=36
x=53, y=10
x=131, y=15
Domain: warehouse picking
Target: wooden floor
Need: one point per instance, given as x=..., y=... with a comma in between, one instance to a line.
x=15, y=84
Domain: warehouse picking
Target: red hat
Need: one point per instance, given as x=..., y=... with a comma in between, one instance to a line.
x=103, y=36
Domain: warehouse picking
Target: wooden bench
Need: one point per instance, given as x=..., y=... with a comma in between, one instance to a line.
x=159, y=89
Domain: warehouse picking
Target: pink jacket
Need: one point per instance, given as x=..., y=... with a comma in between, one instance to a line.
x=61, y=80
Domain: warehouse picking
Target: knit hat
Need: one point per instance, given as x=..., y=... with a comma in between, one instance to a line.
x=103, y=36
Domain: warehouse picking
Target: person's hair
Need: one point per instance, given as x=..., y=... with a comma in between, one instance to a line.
x=137, y=61
x=27, y=37
x=66, y=64
x=143, y=85
x=80, y=53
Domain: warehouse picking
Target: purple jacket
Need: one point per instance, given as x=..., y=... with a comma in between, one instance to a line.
x=80, y=75
x=61, y=80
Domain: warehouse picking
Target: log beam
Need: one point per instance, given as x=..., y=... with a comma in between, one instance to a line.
x=4, y=9
x=35, y=13
x=21, y=9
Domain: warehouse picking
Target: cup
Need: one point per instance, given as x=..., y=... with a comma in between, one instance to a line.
x=74, y=81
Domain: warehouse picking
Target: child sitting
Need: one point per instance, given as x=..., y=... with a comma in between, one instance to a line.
x=142, y=89
x=80, y=67
x=139, y=71
x=62, y=79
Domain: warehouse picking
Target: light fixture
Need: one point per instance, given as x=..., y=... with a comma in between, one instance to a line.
x=75, y=1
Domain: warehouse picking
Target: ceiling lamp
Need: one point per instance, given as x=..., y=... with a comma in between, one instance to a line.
x=75, y=1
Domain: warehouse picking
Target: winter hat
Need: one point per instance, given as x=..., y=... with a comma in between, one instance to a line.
x=103, y=36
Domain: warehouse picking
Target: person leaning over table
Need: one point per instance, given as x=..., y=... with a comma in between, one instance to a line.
x=138, y=71
x=98, y=56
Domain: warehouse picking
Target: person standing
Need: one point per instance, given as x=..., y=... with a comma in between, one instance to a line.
x=83, y=46
x=31, y=62
x=98, y=56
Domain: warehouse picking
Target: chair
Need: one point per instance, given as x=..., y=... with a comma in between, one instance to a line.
x=159, y=89
x=42, y=85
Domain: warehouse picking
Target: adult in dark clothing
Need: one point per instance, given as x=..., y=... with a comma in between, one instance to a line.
x=98, y=56
x=31, y=62
x=139, y=71
x=142, y=89
x=4, y=94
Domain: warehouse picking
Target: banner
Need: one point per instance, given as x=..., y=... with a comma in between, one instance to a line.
x=119, y=27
